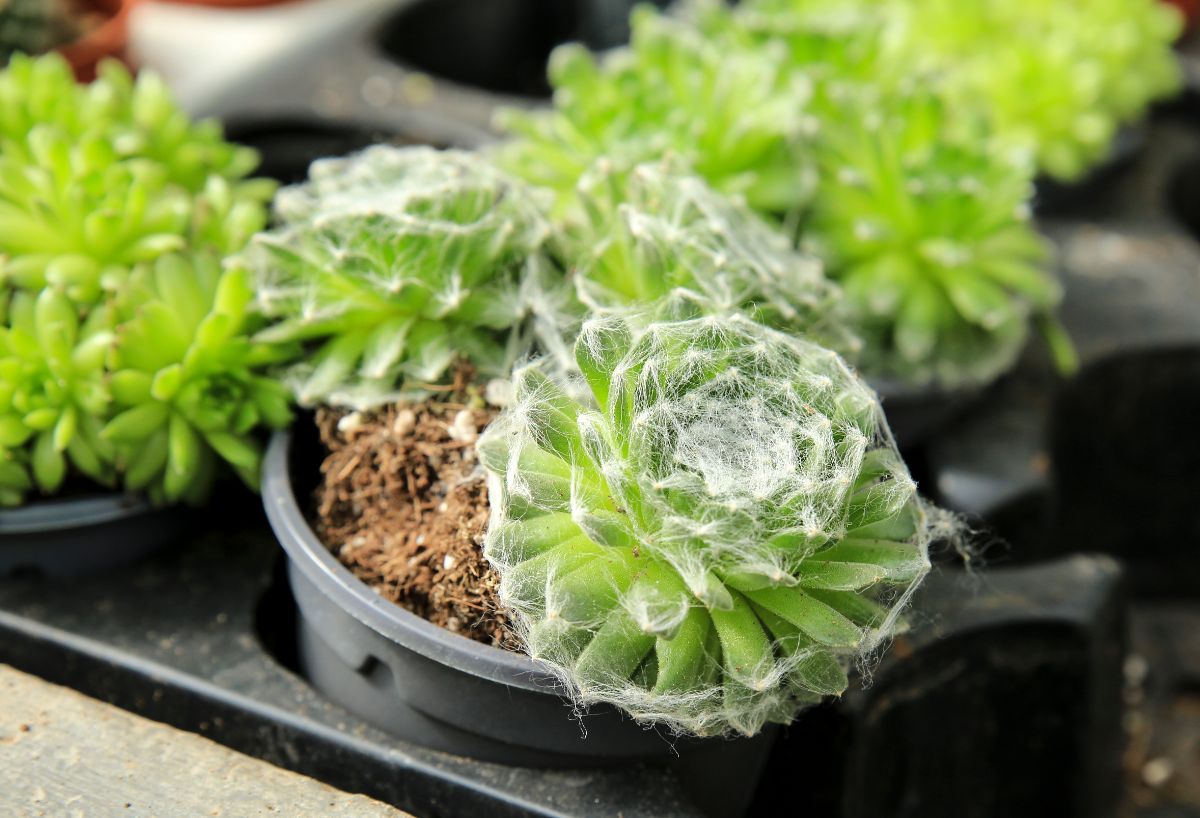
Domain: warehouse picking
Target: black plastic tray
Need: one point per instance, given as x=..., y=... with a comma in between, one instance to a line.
x=202, y=636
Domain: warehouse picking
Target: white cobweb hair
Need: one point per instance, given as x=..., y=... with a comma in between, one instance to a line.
x=726, y=483
x=399, y=259
x=660, y=233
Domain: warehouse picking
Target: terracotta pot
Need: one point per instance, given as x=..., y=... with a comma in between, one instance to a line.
x=106, y=40
x=1190, y=10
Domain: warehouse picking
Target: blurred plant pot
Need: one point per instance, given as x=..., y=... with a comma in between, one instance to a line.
x=442, y=690
x=916, y=413
x=105, y=40
x=75, y=536
x=1054, y=197
x=500, y=45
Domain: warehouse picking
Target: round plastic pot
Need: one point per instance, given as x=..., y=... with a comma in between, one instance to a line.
x=1053, y=197
x=82, y=535
x=500, y=46
x=441, y=690
x=916, y=413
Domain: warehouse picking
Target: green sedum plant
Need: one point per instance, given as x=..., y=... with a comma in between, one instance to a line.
x=713, y=535
x=125, y=356
x=734, y=115
x=659, y=234
x=53, y=394
x=98, y=179
x=392, y=262
x=189, y=385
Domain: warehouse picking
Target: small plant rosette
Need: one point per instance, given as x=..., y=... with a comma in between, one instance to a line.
x=714, y=534
x=734, y=115
x=98, y=179
x=149, y=394
x=659, y=234
x=931, y=238
x=389, y=264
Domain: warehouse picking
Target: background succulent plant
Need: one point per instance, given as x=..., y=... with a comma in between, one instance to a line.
x=661, y=234
x=189, y=385
x=97, y=179
x=395, y=260
x=733, y=115
x=711, y=538
x=931, y=238
x=1054, y=79
x=53, y=395
x=921, y=211
x=124, y=355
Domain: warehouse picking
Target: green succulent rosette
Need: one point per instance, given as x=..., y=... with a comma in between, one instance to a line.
x=390, y=263
x=53, y=395
x=189, y=385
x=733, y=115
x=1055, y=80
x=931, y=239
x=661, y=235
x=713, y=534
x=97, y=179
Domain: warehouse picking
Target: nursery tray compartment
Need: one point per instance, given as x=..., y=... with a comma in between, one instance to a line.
x=201, y=636
x=1097, y=462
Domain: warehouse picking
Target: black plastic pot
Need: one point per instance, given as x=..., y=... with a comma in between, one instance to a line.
x=288, y=147
x=441, y=690
x=1053, y=197
x=82, y=535
x=915, y=413
x=1126, y=458
x=500, y=45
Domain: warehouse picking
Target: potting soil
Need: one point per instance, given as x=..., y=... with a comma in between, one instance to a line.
x=403, y=505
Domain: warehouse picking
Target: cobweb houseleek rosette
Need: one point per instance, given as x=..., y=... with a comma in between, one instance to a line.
x=393, y=261
x=659, y=234
x=189, y=385
x=931, y=239
x=730, y=113
x=97, y=179
x=714, y=535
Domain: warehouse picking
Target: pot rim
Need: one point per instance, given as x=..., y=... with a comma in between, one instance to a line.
x=393, y=622
x=67, y=513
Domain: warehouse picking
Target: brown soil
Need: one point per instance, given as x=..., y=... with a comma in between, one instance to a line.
x=403, y=505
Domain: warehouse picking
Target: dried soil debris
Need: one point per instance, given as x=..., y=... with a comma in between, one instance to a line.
x=403, y=504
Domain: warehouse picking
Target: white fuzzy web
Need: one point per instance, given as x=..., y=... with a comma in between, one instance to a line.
x=439, y=251
x=702, y=252
x=737, y=436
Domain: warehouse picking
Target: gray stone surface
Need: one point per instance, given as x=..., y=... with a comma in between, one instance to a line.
x=63, y=755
